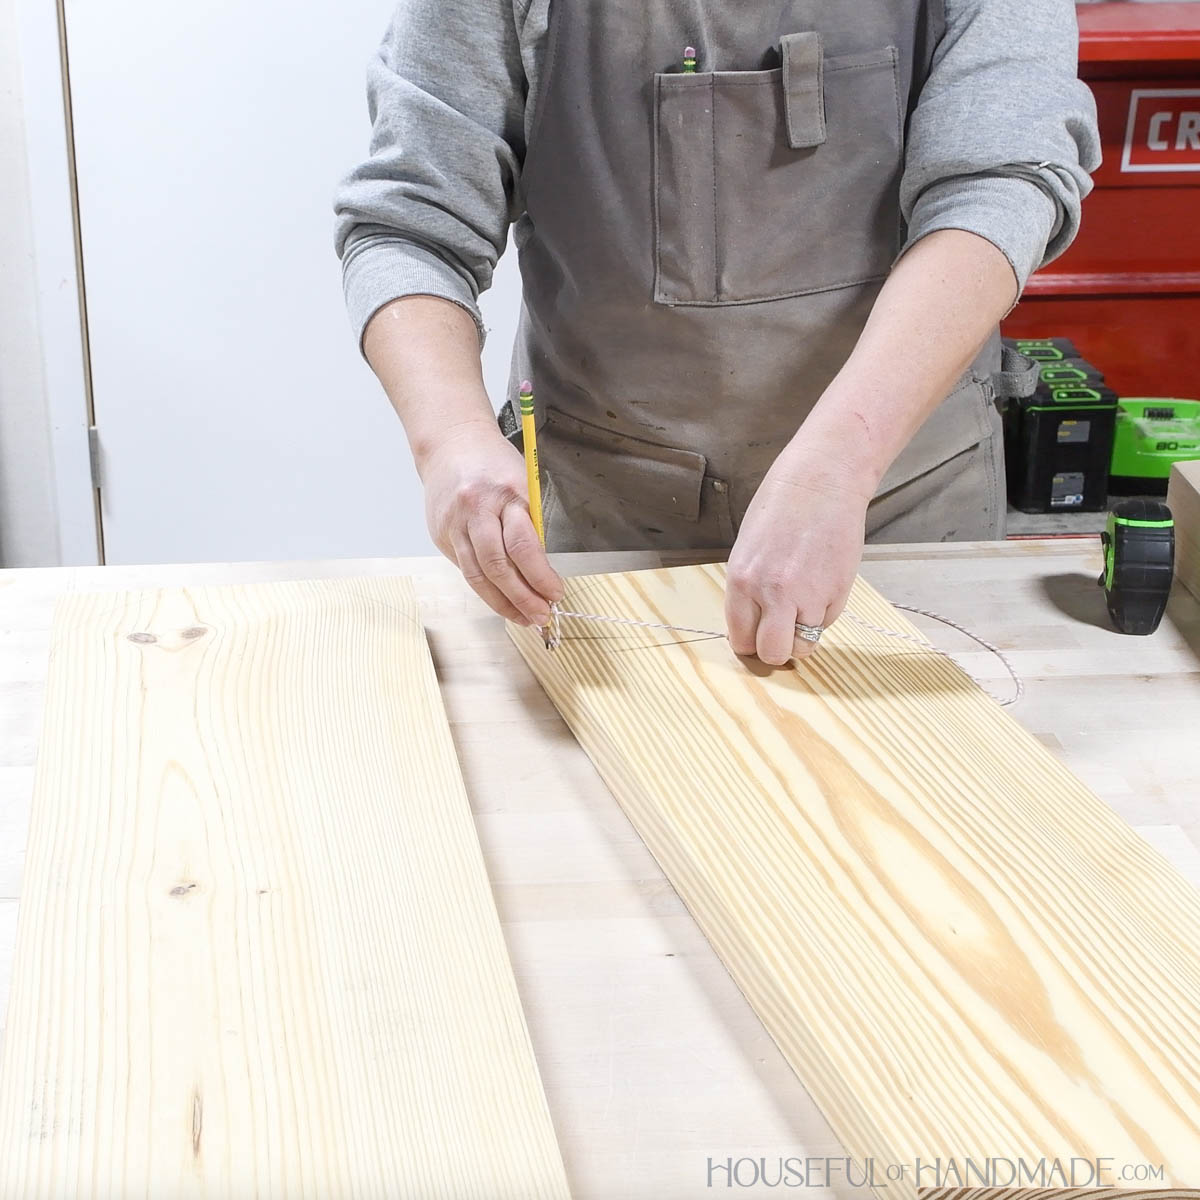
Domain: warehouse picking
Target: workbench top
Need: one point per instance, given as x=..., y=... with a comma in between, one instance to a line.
x=653, y=1062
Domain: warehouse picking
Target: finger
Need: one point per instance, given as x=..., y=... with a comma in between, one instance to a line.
x=834, y=611
x=802, y=648
x=483, y=587
x=776, y=634
x=527, y=554
x=742, y=615
x=487, y=540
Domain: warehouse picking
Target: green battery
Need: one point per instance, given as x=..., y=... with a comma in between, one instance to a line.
x=1046, y=350
x=1152, y=435
x=1058, y=442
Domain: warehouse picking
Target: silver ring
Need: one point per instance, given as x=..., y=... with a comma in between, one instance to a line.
x=809, y=633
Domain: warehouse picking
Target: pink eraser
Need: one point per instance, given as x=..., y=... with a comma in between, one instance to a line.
x=526, y=386
x=689, y=52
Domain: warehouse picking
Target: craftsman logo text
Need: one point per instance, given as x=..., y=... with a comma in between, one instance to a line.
x=1163, y=133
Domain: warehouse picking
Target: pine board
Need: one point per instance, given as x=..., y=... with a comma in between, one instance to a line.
x=959, y=949
x=257, y=952
x=1099, y=1193
x=1183, y=499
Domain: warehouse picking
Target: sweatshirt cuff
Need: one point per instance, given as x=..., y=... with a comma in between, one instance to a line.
x=379, y=269
x=1016, y=215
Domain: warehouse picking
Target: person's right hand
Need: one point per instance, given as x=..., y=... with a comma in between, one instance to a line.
x=477, y=507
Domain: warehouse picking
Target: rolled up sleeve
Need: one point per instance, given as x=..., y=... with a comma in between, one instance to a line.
x=1003, y=139
x=428, y=212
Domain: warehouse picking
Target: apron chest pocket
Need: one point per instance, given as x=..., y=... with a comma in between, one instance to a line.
x=777, y=183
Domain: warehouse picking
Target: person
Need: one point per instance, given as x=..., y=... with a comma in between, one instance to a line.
x=765, y=249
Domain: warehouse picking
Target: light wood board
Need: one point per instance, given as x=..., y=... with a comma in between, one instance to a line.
x=1183, y=499
x=961, y=951
x=257, y=952
x=1098, y=1193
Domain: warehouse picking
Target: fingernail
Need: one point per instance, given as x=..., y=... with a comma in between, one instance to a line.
x=541, y=620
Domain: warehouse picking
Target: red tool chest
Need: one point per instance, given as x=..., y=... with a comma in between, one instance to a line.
x=1128, y=291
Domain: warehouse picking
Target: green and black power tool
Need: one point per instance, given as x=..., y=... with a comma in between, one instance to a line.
x=1139, y=564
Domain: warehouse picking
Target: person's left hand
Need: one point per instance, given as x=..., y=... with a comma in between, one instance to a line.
x=796, y=555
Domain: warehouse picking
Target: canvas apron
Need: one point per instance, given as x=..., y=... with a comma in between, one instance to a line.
x=700, y=253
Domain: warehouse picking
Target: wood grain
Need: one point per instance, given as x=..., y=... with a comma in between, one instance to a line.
x=961, y=952
x=1183, y=499
x=1059, y=1194
x=257, y=952
x=1103, y=1193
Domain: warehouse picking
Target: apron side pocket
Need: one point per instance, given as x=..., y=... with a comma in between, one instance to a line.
x=591, y=464
x=961, y=421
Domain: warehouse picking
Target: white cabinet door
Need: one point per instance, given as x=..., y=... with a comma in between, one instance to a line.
x=236, y=418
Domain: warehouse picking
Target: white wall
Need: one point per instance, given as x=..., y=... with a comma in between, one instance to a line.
x=235, y=417
x=28, y=525
x=46, y=512
x=501, y=309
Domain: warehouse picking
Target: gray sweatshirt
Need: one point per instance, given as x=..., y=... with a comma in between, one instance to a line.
x=1001, y=143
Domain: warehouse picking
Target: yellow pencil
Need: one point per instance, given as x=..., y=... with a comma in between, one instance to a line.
x=532, y=474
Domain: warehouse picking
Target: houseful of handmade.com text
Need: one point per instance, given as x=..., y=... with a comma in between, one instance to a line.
x=745, y=1172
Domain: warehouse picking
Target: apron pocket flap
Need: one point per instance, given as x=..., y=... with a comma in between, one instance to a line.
x=961, y=421
x=804, y=89
x=582, y=457
x=1018, y=376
